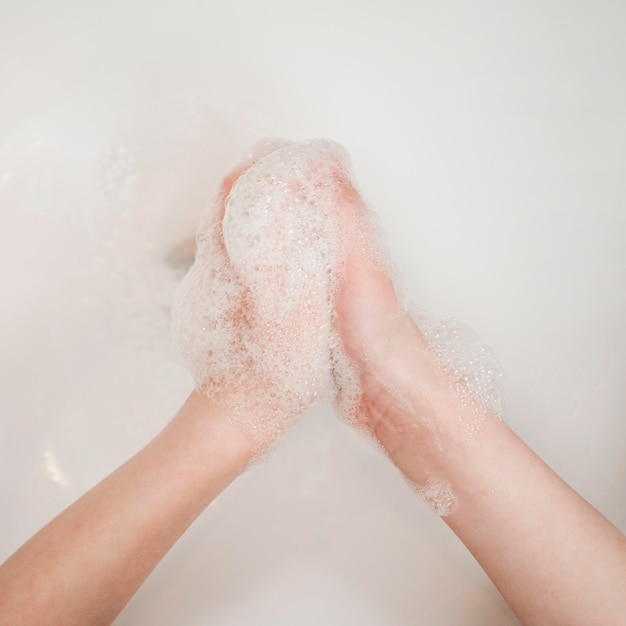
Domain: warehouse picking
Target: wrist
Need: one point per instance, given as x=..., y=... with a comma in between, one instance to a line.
x=414, y=411
x=213, y=438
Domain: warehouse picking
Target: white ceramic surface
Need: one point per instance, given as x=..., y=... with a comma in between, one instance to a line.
x=490, y=137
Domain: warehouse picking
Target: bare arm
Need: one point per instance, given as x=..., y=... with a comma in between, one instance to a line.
x=85, y=565
x=555, y=559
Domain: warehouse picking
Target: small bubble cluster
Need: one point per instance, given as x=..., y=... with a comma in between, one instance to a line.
x=437, y=496
x=118, y=172
x=469, y=366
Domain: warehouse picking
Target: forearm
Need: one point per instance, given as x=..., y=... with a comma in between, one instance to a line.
x=555, y=559
x=85, y=565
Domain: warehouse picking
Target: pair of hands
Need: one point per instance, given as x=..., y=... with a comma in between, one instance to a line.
x=554, y=558
x=297, y=300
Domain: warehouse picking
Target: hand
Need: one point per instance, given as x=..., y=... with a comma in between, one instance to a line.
x=395, y=368
x=253, y=316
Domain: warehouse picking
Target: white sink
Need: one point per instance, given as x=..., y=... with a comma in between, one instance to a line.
x=491, y=140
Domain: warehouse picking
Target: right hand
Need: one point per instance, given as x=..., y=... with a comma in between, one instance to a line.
x=403, y=390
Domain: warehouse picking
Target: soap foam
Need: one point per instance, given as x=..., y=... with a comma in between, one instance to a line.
x=470, y=367
x=437, y=496
x=255, y=316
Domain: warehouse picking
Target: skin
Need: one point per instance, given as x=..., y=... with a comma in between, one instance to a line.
x=555, y=559
x=85, y=565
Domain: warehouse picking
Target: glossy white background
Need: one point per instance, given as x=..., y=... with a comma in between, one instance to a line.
x=491, y=139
